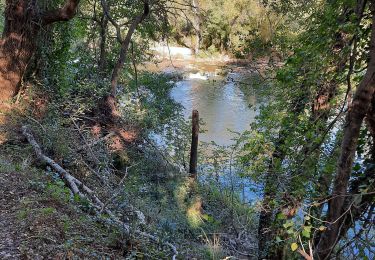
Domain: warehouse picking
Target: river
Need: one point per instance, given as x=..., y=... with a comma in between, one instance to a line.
x=212, y=90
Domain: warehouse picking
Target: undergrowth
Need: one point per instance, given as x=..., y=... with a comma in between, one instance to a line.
x=127, y=174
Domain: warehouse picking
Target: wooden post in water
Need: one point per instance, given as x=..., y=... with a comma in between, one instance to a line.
x=194, y=145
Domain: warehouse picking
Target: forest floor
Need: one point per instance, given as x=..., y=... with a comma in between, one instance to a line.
x=37, y=221
x=9, y=202
x=38, y=218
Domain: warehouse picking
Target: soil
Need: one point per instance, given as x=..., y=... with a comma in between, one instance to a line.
x=9, y=202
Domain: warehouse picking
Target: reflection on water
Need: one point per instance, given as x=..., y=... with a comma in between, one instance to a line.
x=211, y=89
x=220, y=102
x=222, y=106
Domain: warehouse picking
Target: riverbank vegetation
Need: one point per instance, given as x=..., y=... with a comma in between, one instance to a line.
x=94, y=151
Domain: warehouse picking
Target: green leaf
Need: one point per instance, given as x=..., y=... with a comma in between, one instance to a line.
x=288, y=224
x=208, y=218
x=307, y=228
x=306, y=233
x=294, y=246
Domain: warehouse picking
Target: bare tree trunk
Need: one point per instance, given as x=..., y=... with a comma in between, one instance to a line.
x=23, y=22
x=357, y=111
x=194, y=145
x=108, y=105
x=197, y=26
x=16, y=47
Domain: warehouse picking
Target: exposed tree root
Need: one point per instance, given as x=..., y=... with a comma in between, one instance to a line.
x=84, y=192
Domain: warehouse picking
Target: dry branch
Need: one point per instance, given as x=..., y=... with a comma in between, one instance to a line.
x=88, y=145
x=69, y=179
x=80, y=189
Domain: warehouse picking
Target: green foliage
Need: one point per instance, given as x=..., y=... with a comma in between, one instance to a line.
x=47, y=211
x=147, y=101
x=240, y=27
x=22, y=214
x=58, y=191
x=295, y=144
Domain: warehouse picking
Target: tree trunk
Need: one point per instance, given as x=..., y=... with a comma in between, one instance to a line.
x=108, y=105
x=125, y=48
x=265, y=231
x=357, y=111
x=23, y=21
x=197, y=27
x=103, y=42
x=16, y=47
x=319, y=117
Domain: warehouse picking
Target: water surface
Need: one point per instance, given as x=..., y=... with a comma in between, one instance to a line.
x=220, y=102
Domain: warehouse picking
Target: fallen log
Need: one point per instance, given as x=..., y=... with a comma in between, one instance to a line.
x=80, y=189
x=69, y=179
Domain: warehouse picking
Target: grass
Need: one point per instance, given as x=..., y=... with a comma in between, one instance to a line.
x=188, y=212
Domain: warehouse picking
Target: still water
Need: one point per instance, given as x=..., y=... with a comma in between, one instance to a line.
x=212, y=90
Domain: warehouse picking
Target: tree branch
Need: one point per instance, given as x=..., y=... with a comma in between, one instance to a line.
x=125, y=46
x=113, y=22
x=357, y=111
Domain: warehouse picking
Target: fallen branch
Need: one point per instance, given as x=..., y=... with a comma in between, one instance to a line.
x=88, y=145
x=156, y=239
x=69, y=179
x=141, y=217
x=80, y=189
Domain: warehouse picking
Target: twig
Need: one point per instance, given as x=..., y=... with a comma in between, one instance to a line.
x=85, y=141
x=118, y=188
x=102, y=180
x=305, y=255
x=88, y=145
x=303, y=251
